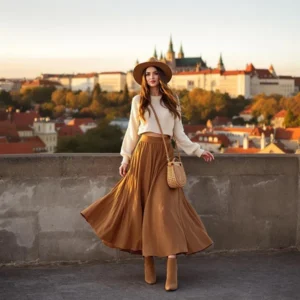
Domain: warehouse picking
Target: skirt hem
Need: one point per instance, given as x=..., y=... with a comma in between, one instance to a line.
x=140, y=252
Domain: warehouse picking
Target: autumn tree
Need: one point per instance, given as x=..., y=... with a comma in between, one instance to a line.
x=72, y=100
x=58, y=97
x=84, y=99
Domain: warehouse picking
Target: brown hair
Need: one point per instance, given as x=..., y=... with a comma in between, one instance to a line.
x=169, y=99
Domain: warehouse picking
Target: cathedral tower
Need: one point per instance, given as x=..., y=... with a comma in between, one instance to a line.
x=170, y=56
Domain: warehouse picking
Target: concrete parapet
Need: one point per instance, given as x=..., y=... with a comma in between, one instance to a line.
x=247, y=202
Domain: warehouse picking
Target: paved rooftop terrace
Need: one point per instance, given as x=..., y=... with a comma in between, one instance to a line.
x=273, y=275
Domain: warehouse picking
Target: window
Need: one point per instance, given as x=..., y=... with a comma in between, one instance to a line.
x=190, y=84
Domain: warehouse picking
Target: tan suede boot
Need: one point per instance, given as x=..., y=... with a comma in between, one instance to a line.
x=149, y=268
x=171, y=281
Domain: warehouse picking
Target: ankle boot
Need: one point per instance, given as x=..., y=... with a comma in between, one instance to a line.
x=149, y=268
x=171, y=281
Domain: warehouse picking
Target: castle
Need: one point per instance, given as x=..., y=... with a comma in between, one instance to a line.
x=190, y=73
x=182, y=63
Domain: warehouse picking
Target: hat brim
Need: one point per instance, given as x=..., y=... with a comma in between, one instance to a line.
x=139, y=70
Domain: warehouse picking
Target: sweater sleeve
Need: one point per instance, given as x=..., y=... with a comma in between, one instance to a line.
x=131, y=135
x=183, y=140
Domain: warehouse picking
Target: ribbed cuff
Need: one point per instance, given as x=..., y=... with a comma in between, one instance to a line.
x=125, y=160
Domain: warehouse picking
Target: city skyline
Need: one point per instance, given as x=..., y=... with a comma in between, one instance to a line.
x=71, y=37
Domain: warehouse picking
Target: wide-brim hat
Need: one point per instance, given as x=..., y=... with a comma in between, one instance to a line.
x=152, y=62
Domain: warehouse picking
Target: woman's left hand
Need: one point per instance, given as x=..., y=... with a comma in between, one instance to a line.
x=207, y=156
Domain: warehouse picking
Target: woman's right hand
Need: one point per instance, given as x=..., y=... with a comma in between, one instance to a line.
x=123, y=169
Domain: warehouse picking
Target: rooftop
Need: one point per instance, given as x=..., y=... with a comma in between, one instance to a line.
x=230, y=276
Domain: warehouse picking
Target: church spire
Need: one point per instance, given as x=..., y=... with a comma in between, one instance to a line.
x=180, y=53
x=155, y=53
x=171, y=45
x=221, y=66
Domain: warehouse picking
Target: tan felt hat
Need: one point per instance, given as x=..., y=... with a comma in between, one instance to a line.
x=152, y=62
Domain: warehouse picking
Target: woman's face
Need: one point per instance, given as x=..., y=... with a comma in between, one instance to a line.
x=152, y=76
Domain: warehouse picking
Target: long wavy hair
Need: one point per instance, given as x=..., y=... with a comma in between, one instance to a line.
x=168, y=99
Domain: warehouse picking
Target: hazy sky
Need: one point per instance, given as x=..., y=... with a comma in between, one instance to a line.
x=94, y=35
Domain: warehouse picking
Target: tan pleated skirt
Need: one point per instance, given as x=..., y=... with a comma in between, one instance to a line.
x=142, y=215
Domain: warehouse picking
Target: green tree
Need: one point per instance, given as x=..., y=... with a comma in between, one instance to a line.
x=126, y=98
x=46, y=109
x=96, y=93
x=103, y=138
x=5, y=99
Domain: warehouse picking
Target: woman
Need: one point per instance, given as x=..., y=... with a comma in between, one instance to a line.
x=142, y=214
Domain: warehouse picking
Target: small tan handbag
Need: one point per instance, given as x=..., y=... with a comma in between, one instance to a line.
x=176, y=176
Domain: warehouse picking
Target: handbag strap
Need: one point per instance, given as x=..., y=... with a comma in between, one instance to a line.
x=162, y=135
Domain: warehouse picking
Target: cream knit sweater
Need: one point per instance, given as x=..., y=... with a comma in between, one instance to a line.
x=169, y=125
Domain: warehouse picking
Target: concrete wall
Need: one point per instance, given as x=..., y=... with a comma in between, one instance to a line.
x=245, y=202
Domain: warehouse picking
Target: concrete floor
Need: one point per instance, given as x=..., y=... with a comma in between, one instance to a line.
x=223, y=276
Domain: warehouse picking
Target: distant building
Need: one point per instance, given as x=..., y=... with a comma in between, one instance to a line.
x=121, y=122
x=37, y=83
x=6, y=85
x=83, y=123
x=190, y=73
x=45, y=130
x=84, y=82
x=64, y=79
x=112, y=81
x=211, y=142
x=278, y=119
x=193, y=72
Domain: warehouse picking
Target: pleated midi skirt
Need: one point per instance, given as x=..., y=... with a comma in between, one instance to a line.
x=142, y=214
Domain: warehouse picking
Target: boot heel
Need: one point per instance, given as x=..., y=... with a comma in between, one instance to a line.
x=171, y=281
x=149, y=269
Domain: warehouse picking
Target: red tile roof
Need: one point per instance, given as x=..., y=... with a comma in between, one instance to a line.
x=35, y=141
x=233, y=72
x=292, y=133
x=220, y=120
x=208, y=71
x=69, y=131
x=25, y=147
x=241, y=150
x=80, y=121
x=24, y=119
x=3, y=115
x=40, y=82
x=250, y=68
x=297, y=81
x=107, y=73
x=280, y=114
x=264, y=73
x=8, y=129
x=257, y=131
x=222, y=139
x=193, y=128
x=85, y=75
x=246, y=111
x=3, y=139
x=234, y=129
